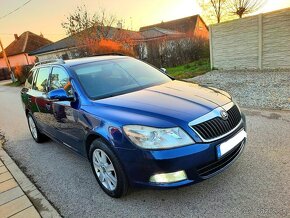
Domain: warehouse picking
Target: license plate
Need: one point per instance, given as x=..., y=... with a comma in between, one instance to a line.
x=225, y=147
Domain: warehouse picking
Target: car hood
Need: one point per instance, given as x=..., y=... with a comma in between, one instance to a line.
x=176, y=99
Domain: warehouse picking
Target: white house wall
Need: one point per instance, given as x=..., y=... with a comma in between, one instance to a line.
x=56, y=55
x=18, y=60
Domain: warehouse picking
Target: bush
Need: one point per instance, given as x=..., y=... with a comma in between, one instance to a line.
x=21, y=72
x=176, y=52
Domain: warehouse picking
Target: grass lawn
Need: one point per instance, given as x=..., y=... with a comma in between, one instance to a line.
x=190, y=70
x=14, y=84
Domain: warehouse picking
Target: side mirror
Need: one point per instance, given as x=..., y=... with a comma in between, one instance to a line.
x=163, y=70
x=59, y=95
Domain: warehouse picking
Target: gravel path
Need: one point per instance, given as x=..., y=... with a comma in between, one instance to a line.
x=252, y=89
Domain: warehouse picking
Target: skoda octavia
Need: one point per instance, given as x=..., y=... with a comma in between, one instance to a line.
x=136, y=125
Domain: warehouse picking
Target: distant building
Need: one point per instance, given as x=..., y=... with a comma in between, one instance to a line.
x=17, y=51
x=65, y=49
x=68, y=48
x=154, y=38
x=174, y=42
x=193, y=25
x=150, y=42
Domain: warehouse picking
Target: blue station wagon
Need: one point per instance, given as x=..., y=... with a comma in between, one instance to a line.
x=136, y=125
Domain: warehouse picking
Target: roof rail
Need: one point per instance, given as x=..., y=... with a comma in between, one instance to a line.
x=107, y=54
x=58, y=61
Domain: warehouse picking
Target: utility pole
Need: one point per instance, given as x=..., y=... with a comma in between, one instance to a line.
x=7, y=62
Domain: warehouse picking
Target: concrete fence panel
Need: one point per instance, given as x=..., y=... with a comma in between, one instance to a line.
x=256, y=42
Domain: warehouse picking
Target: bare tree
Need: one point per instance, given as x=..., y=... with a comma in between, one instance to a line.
x=213, y=9
x=95, y=34
x=242, y=7
x=81, y=20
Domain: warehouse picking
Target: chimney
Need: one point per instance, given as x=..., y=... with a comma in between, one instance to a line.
x=119, y=25
x=16, y=36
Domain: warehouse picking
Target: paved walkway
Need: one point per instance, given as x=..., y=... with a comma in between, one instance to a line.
x=13, y=201
x=18, y=196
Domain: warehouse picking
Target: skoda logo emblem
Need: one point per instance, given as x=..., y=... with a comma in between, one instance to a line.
x=224, y=115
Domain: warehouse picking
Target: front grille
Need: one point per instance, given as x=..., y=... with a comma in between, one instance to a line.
x=211, y=168
x=216, y=127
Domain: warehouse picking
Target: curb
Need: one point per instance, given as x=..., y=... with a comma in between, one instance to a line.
x=44, y=208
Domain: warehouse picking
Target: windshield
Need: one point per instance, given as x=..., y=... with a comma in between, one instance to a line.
x=108, y=78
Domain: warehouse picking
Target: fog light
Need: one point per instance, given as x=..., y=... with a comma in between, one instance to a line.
x=169, y=177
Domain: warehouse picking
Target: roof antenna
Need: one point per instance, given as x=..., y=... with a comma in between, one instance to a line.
x=119, y=25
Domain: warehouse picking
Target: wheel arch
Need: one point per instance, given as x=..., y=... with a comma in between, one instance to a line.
x=89, y=140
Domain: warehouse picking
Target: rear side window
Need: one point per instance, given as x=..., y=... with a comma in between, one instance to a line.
x=42, y=79
x=28, y=83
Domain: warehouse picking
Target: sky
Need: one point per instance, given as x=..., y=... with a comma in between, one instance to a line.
x=46, y=16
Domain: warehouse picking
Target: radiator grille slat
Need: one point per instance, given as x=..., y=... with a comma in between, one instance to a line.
x=216, y=127
x=203, y=130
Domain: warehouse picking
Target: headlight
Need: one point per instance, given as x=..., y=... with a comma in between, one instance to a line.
x=157, y=138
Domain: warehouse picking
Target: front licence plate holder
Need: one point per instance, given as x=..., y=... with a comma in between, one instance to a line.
x=225, y=147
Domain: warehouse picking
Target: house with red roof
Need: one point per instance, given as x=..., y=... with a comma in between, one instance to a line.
x=69, y=47
x=174, y=42
x=193, y=26
x=17, y=51
x=160, y=44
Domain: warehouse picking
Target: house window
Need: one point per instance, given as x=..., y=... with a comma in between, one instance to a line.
x=75, y=54
x=65, y=56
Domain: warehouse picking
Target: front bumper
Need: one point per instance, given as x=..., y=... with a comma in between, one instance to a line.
x=199, y=161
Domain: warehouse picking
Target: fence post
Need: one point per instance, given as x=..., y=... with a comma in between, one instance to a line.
x=211, y=47
x=260, y=54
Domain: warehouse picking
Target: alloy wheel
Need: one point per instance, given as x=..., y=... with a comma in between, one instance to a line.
x=104, y=169
x=32, y=127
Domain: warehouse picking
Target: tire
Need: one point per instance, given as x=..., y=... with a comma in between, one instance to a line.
x=35, y=133
x=108, y=170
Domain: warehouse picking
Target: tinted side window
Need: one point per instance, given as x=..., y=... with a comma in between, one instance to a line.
x=60, y=79
x=42, y=78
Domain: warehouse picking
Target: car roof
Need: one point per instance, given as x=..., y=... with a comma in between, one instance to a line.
x=77, y=61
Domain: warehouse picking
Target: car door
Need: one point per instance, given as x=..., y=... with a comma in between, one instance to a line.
x=26, y=92
x=66, y=127
x=40, y=105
